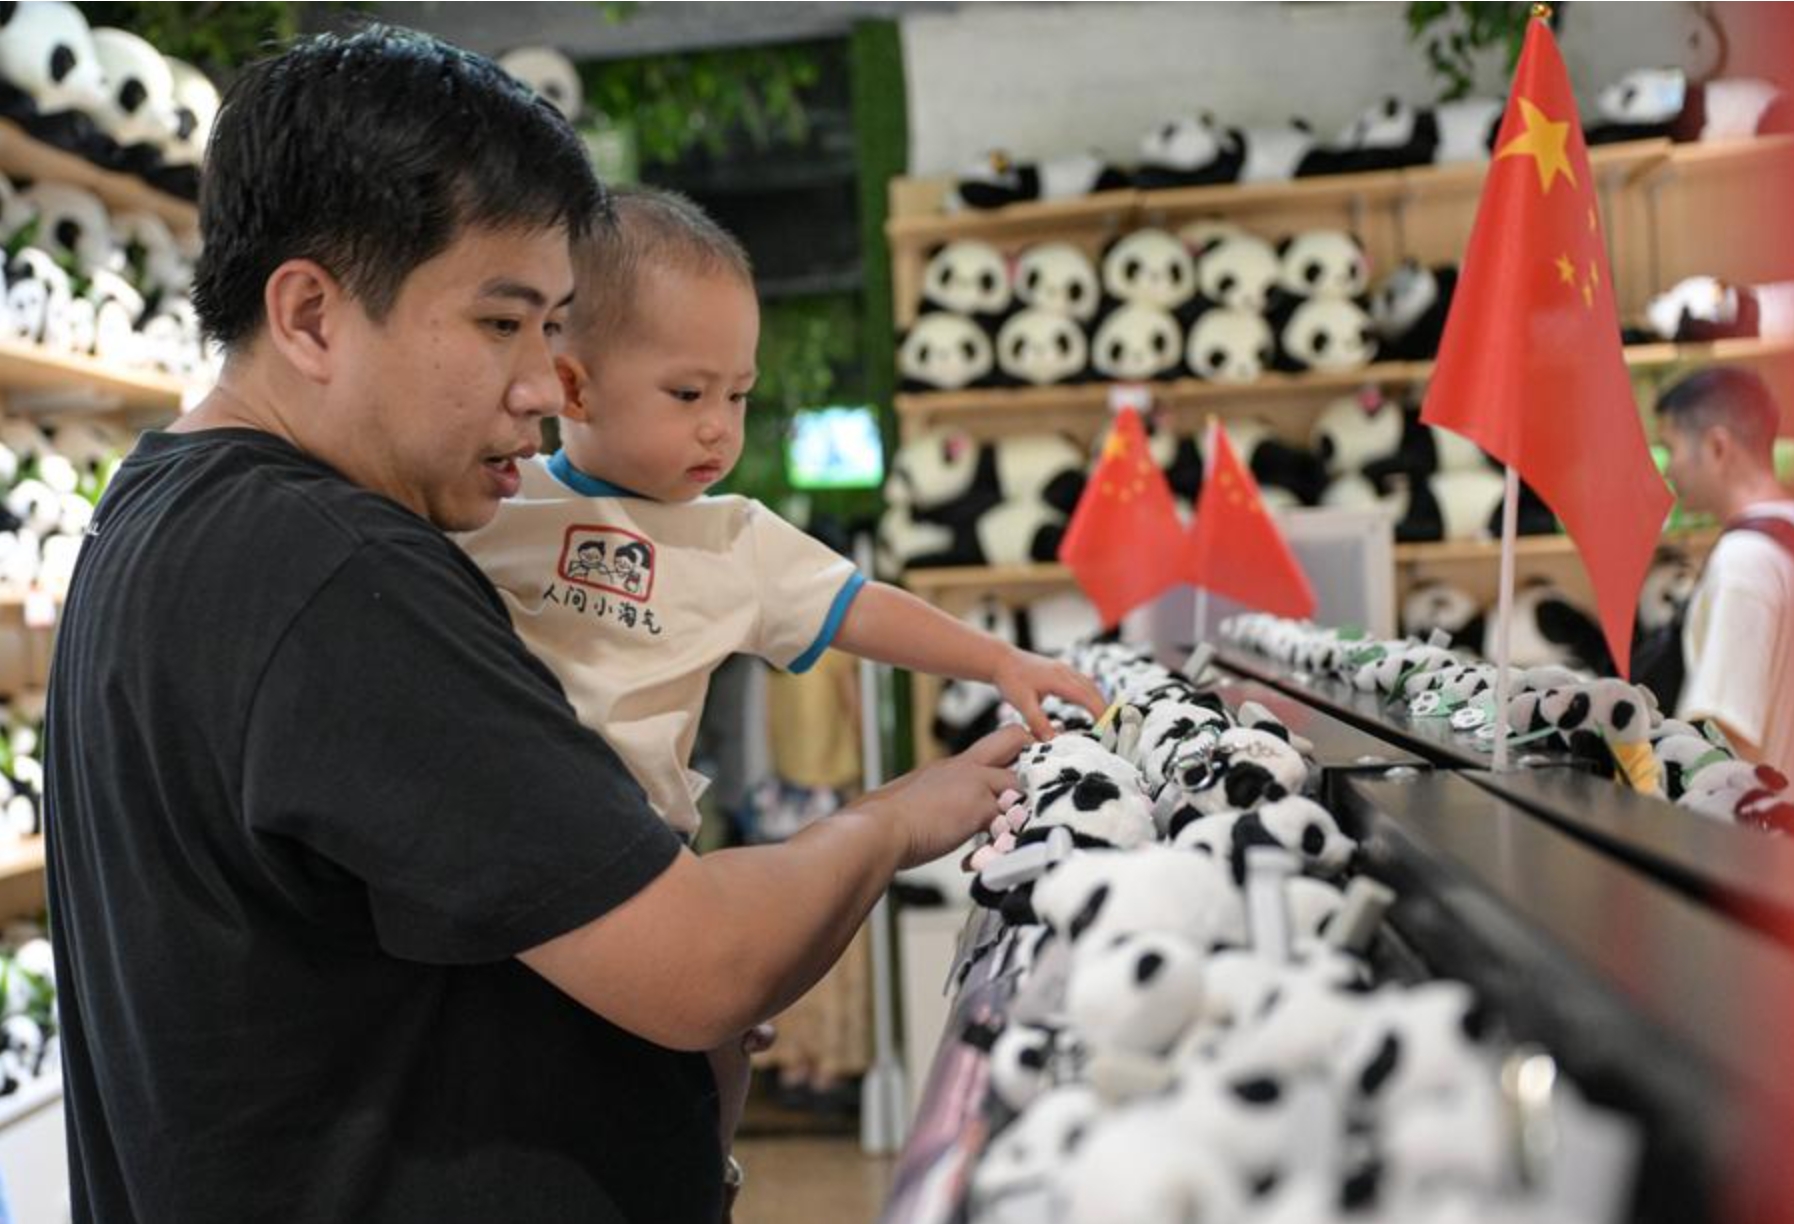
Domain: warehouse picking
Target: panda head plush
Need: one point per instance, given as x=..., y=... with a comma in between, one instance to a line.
x=72, y=225
x=47, y=53
x=1092, y=897
x=1390, y=134
x=1408, y=310
x=139, y=105
x=1643, y=103
x=1327, y=334
x=1668, y=586
x=1226, y=345
x=1038, y=348
x=944, y=352
x=1322, y=263
x=550, y=75
x=1699, y=309
x=1135, y=342
x=1354, y=432
x=969, y=278
x=153, y=260
x=1149, y=267
x=195, y=110
x=1436, y=605
x=1467, y=129
x=1237, y=270
x=1059, y=277
x=1187, y=152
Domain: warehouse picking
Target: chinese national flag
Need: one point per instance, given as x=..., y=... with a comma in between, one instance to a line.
x=1124, y=541
x=1530, y=366
x=1234, y=547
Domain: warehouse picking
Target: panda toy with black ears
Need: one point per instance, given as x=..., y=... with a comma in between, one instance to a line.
x=968, y=278
x=1388, y=135
x=1150, y=267
x=1188, y=152
x=996, y=181
x=944, y=352
x=1323, y=263
x=1229, y=345
x=1059, y=277
x=1237, y=270
x=1408, y=309
x=1327, y=334
x=138, y=112
x=51, y=79
x=1136, y=342
x=1039, y=348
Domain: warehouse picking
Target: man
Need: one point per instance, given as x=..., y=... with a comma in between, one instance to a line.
x=354, y=921
x=1720, y=425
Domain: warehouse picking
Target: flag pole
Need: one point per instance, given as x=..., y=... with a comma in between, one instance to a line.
x=1504, y=612
x=1208, y=470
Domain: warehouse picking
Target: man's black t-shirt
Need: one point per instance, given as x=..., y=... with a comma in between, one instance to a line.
x=308, y=797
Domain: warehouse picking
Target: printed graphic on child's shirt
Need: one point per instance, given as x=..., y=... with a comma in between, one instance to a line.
x=608, y=559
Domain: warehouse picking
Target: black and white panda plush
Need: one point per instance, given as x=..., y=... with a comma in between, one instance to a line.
x=1435, y=605
x=1387, y=135
x=1327, y=334
x=1668, y=586
x=1287, y=475
x=72, y=225
x=1549, y=629
x=1237, y=270
x=1149, y=267
x=1704, y=308
x=997, y=181
x=1354, y=435
x=1274, y=154
x=195, y=109
x=1037, y=348
x=1408, y=309
x=1059, y=277
x=138, y=110
x=1178, y=457
x=1039, y=478
x=969, y=278
x=1228, y=345
x=1322, y=263
x=1642, y=104
x=550, y=75
x=938, y=487
x=1467, y=129
x=1136, y=342
x=51, y=81
x=38, y=296
x=1188, y=152
x=944, y=352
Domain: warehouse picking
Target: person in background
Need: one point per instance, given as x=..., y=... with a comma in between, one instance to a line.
x=355, y=920
x=1720, y=425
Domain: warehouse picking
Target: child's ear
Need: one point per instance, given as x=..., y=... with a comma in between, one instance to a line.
x=573, y=386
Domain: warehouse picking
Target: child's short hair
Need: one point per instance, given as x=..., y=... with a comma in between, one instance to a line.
x=645, y=226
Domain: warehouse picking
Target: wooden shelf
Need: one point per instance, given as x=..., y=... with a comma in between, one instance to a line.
x=1057, y=407
x=34, y=379
x=21, y=877
x=1009, y=582
x=1447, y=552
x=22, y=157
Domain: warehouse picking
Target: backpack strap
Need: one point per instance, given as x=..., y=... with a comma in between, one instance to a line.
x=1774, y=526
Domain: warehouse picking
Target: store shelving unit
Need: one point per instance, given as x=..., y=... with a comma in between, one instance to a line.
x=1657, y=201
x=22, y=157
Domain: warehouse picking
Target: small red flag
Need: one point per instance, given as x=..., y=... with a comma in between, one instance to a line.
x=1123, y=543
x=1234, y=547
x=1530, y=367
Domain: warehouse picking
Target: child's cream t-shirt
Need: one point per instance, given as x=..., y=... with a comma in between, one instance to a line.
x=633, y=603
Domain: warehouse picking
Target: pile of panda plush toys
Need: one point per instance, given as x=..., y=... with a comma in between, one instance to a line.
x=28, y=1041
x=105, y=95
x=21, y=767
x=81, y=281
x=50, y=482
x=1198, y=1028
x=1615, y=727
x=1198, y=150
x=1210, y=301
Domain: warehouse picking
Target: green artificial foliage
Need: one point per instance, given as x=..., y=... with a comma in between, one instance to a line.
x=707, y=100
x=214, y=37
x=1455, y=34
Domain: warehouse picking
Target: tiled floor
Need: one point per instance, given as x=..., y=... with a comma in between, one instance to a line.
x=810, y=1180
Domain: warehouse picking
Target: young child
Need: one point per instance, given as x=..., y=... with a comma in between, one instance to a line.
x=659, y=362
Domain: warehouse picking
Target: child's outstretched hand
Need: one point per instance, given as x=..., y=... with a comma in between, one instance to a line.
x=1025, y=678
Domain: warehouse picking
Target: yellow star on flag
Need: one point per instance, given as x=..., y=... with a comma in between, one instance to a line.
x=1544, y=141
x=1115, y=446
x=1588, y=296
x=1566, y=270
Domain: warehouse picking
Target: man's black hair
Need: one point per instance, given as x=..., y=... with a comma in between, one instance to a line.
x=1724, y=395
x=369, y=152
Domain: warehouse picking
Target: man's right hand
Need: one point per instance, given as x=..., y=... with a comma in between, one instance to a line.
x=936, y=808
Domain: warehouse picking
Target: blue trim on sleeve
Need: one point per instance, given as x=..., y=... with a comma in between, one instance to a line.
x=837, y=613
x=562, y=469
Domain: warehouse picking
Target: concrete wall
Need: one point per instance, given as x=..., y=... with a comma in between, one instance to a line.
x=1044, y=79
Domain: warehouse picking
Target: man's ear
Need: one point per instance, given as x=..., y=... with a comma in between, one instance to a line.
x=574, y=381
x=301, y=301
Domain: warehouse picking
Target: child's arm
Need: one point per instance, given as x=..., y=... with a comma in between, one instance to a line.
x=892, y=626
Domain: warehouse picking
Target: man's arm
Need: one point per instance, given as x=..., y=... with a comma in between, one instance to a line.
x=717, y=944
x=892, y=626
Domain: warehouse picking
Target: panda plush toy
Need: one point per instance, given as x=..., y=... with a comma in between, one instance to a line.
x=1388, y=135
x=1237, y=270
x=195, y=109
x=1136, y=342
x=1149, y=267
x=1188, y=152
x=968, y=278
x=1641, y=105
x=1178, y=457
x=1467, y=129
x=1287, y=475
x=1229, y=345
x=939, y=485
x=1408, y=310
x=1354, y=435
x=1434, y=605
x=1704, y=308
x=1058, y=277
x=138, y=112
x=1326, y=334
x=1275, y=154
x=1039, y=479
x=550, y=75
x=996, y=181
x=1322, y=263
x=1038, y=348
x=945, y=352
x=1549, y=629
x=51, y=80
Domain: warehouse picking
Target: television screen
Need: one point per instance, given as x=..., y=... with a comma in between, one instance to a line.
x=835, y=448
